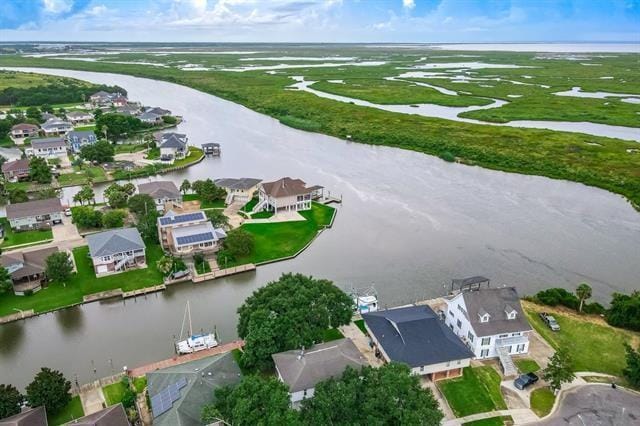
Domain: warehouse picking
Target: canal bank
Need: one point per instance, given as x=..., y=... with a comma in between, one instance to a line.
x=409, y=223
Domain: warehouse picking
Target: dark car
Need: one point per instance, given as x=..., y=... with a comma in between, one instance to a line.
x=525, y=380
x=550, y=321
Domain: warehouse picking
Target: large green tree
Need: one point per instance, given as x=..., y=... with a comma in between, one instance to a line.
x=583, y=292
x=18, y=195
x=86, y=217
x=118, y=126
x=625, y=311
x=559, y=370
x=141, y=204
x=10, y=401
x=256, y=400
x=39, y=170
x=101, y=152
x=6, y=284
x=632, y=370
x=59, y=266
x=238, y=242
x=218, y=219
x=389, y=395
x=116, y=195
x=49, y=388
x=288, y=314
x=207, y=190
x=114, y=219
x=85, y=194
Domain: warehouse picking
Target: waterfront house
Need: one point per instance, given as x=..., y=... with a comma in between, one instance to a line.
x=158, y=111
x=284, y=195
x=128, y=109
x=79, y=138
x=104, y=99
x=116, y=250
x=28, y=417
x=173, y=146
x=150, y=118
x=47, y=148
x=301, y=370
x=188, y=233
x=27, y=269
x=489, y=320
x=416, y=336
x=35, y=214
x=119, y=101
x=238, y=190
x=162, y=192
x=79, y=117
x=56, y=127
x=24, y=130
x=16, y=170
x=178, y=393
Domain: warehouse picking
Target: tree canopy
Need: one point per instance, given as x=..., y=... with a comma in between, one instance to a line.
x=49, y=388
x=101, y=152
x=207, y=190
x=287, y=314
x=632, y=370
x=86, y=217
x=59, y=266
x=10, y=401
x=6, y=284
x=583, y=292
x=559, y=370
x=39, y=170
x=118, y=125
x=625, y=311
x=141, y=204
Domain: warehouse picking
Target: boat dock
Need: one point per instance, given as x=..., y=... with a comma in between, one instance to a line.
x=182, y=359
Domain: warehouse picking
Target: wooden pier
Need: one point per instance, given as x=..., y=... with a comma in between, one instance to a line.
x=223, y=272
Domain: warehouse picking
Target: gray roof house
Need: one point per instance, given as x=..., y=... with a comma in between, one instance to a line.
x=79, y=138
x=76, y=117
x=173, y=146
x=116, y=250
x=27, y=269
x=30, y=417
x=162, y=191
x=157, y=110
x=178, y=393
x=149, y=117
x=56, y=126
x=47, y=147
x=301, y=370
x=110, y=416
x=35, y=214
x=415, y=335
x=240, y=190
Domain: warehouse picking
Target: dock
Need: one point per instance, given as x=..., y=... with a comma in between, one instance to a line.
x=182, y=359
x=223, y=272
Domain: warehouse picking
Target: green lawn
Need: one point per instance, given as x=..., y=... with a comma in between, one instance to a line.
x=127, y=148
x=526, y=365
x=72, y=411
x=113, y=393
x=250, y=205
x=542, y=400
x=57, y=295
x=82, y=176
x=203, y=267
x=87, y=127
x=12, y=238
x=194, y=155
x=361, y=326
x=216, y=204
x=278, y=240
x=493, y=421
x=139, y=383
x=153, y=154
x=593, y=345
x=477, y=391
x=25, y=185
x=262, y=215
x=331, y=334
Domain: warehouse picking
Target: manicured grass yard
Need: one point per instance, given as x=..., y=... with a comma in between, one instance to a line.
x=542, y=400
x=250, y=205
x=72, y=411
x=113, y=393
x=278, y=240
x=82, y=176
x=194, y=155
x=526, y=365
x=331, y=334
x=593, y=345
x=477, y=391
x=262, y=215
x=217, y=204
x=361, y=326
x=57, y=295
x=139, y=383
x=12, y=238
x=127, y=148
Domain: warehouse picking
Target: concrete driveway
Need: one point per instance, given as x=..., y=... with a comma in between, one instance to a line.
x=597, y=405
x=65, y=235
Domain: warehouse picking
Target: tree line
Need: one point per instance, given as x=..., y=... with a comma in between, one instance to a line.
x=64, y=92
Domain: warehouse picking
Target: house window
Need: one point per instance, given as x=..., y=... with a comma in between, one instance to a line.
x=486, y=341
x=511, y=315
x=470, y=336
x=484, y=353
x=459, y=324
x=421, y=368
x=520, y=348
x=503, y=336
x=106, y=258
x=451, y=313
x=451, y=326
x=304, y=394
x=515, y=334
x=484, y=318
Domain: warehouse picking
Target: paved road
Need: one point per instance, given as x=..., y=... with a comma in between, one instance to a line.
x=597, y=405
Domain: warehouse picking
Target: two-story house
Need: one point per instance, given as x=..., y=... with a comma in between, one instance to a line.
x=27, y=269
x=47, y=147
x=116, y=250
x=35, y=214
x=56, y=127
x=187, y=233
x=79, y=117
x=238, y=190
x=79, y=138
x=16, y=170
x=490, y=321
x=162, y=192
x=24, y=130
x=173, y=146
x=285, y=195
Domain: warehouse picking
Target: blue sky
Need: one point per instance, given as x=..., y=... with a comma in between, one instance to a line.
x=321, y=20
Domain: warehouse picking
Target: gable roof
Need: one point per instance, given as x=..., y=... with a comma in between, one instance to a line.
x=24, y=126
x=416, y=336
x=54, y=123
x=242, y=183
x=285, y=187
x=81, y=134
x=79, y=114
x=495, y=302
x=318, y=363
x=203, y=377
x=33, y=262
x=44, y=143
x=160, y=189
x=158, y=111
x=31, y=417
x=114, y=241
x=101, y=94
x=110, y=416
x=148, y=116
x=12, y=166
x=173, y=140
x=34, y=208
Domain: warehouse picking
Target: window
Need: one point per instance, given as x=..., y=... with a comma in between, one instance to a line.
x=106, y=258
x=459, y=324
x=515, y=334
x=451, y=326
x=511, y=315
x=470, y=336
x=459, y=362
x=520, y=348
x=484, y=353
x=421, y=368
x=451, y=313
x=486, y=341
x=484, y=318
x=503, y=336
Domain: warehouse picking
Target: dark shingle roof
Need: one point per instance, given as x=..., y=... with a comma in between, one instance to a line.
x=114, y=241
x=81, y=134
x=319, y=363
x=159, y=189
x=12, y=166
x=416, y=336
x=44, y=143
x=24, y=126
x=173, y=140
x=110, y=416
x=31, y=417
x=33, y=262
x=34, y=208
x=495, y=302
x=242, y=183
x=285, y=187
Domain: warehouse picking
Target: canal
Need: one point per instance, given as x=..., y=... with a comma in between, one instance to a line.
x=409, y=224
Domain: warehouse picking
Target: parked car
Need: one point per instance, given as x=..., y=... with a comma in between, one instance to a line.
x=550, y=321
x=525, y=380
x=67, y=212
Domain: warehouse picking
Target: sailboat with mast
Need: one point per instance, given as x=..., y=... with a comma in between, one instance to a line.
x=195, y=342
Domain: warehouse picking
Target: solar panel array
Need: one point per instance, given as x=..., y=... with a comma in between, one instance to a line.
x=163, y=400
x=181, y=218
x=196, y=238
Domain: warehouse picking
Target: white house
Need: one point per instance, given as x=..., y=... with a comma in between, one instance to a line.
x=490, y=321
x=284, y=195
x=79, y=117
x=238, y=190
x=47, y=148
x=55, y=127
x=173, y=146
x=187, y=233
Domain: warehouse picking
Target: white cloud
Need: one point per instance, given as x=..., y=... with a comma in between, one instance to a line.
x=97, y=10
x=57, y=6
x=408, y=4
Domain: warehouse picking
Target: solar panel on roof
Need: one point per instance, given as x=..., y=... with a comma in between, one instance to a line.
x=187, y=217
x=196, y=238
x=163, y=400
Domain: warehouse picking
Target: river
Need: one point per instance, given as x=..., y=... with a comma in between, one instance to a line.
x=409, y=224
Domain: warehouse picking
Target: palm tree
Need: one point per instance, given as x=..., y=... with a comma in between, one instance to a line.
x=583, y=292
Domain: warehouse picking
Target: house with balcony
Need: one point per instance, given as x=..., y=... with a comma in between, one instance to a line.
x=188, y=233
x=238, y=190
x=116, y=250
x=79, y=138
x=27, y=269
x=417, y=336
x=38, y=214
x=79, y=117
x=285, y=195
x=16, y=170
x=173, y=146
x=56, y=127
x=162, y=192
x=24, y=130
x=47, y=148
x=490, y=321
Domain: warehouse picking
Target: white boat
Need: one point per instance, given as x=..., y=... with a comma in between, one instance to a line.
x=195, y=342
x=365, y=300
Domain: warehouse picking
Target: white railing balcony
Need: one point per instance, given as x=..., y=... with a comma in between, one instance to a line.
x=510, y=341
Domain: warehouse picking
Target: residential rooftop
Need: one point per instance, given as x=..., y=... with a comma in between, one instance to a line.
x=34, y=208
x=114, y=241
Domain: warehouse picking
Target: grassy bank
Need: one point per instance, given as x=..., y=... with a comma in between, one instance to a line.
x=12, y=238
x=477, y=391
x=596, y=161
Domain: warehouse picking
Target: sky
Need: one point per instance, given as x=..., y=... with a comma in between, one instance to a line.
x=397, y=21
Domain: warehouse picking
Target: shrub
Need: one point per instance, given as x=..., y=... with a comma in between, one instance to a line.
x=625, y=311
x=557, y=296
x=447, y=156
x=113, y=219
x=593, y=308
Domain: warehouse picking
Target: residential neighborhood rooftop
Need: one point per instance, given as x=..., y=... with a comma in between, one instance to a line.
x=159, y=189
x=496, y=302
x=34, y=208
x=241, y=183
x=44, y=143
x=30, y=417
x=171, y=218
x=196, y=234
x=24, y=264
x=12, y=166
x=286, y=187
x=114, y=241
x=24, y=126
x=110, y=416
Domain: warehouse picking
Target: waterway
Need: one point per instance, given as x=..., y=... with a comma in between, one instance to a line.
x=409, y=224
